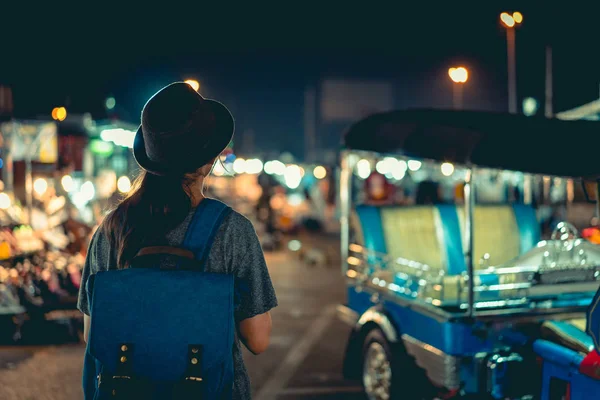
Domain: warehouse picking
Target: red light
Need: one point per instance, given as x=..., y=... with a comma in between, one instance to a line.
x=590, y=366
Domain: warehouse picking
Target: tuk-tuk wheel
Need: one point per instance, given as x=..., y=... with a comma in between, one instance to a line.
x=387, y=374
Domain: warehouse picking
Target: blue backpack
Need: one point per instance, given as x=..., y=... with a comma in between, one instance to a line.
x=163, y=333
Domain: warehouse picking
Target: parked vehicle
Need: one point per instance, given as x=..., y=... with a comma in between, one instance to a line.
x=453, y=297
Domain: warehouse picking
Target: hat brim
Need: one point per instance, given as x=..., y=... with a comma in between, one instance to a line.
x=221, y=137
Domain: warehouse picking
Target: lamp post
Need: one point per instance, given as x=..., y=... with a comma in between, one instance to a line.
x=458, y=75
x=510, y=22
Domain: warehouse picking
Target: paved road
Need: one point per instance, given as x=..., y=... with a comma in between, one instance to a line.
x=303, y=362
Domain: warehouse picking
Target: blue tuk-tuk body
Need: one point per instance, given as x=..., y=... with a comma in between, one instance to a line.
x=468, y=297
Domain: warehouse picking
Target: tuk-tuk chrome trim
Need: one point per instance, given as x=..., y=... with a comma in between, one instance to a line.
x=441, y=368
x=375, y=315
x=345, y=188
x=511, y=314
x=469, y=194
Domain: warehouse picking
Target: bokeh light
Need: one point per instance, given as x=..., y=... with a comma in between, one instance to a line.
x=320, y=172
x=67, y=183
x=239, y=166
x=447, y=169
x=458, y=74
x=4, y=201
x=508, y=20
x=110, y=103
x=88, y=191
x=59, y=113
x=518, y=17
x=254, y=166
x=40, y=185
x=363, y=168
x=124, y=184
x=414, y=165
x=292, y=176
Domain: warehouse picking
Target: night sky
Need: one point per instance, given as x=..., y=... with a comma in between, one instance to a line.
x=260, y=65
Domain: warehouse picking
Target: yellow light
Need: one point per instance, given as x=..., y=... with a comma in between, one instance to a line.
x=4, y=201
x=320, y=172
x=508, y=20
x=353, y=261
x=59, y=113
x=447, y=169
x=458, y=75
x=67, y=183
x=124, y=184
x=518, y=17
x=40, y=185
x=193, y=83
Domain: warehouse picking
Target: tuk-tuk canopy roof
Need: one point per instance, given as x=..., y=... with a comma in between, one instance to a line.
x=494, y=140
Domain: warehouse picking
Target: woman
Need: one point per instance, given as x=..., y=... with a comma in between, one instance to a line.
x=181, y=137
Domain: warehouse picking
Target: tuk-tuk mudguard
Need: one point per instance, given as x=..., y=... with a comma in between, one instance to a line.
x=374, y=317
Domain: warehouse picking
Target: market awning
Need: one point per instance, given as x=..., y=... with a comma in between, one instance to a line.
x=495, y=140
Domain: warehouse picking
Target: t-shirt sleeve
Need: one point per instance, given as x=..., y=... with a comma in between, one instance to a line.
x=255, y=294
x=90, y=268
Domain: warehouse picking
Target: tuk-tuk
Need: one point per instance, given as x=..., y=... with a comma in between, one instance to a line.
x=456, y=292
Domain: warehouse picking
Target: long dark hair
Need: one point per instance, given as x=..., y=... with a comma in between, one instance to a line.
x=154, y=205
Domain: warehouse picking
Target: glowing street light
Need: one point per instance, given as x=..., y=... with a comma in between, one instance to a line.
x=193, y=83
x=510, y=22
x=460, y=76
x=507, y=19
x=518, y=17
x=59, y=113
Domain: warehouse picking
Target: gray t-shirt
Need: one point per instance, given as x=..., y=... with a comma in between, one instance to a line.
x=236, y=250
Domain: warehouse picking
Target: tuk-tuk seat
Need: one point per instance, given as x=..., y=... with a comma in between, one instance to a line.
x=503, y=232
x=434, y=235
x=427, y=234
x=570, y=333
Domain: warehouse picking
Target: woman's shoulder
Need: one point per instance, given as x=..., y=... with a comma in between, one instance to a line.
x=99, y=249
x=237, y=225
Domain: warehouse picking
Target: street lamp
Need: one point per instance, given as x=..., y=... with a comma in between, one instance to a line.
x=510, y=22
x=193, y=83
x=458, y=75
x=59, y=113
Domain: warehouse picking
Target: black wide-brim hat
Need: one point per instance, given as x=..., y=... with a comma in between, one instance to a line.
x=181, y=131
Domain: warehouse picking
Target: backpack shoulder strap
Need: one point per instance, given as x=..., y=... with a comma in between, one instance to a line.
x=204, y=227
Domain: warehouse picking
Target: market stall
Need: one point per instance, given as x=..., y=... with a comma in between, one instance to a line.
x=42, y=241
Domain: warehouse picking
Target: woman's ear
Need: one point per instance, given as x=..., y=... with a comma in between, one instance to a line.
x=207, y=168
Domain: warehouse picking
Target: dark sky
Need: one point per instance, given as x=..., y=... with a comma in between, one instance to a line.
x=259, y=64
